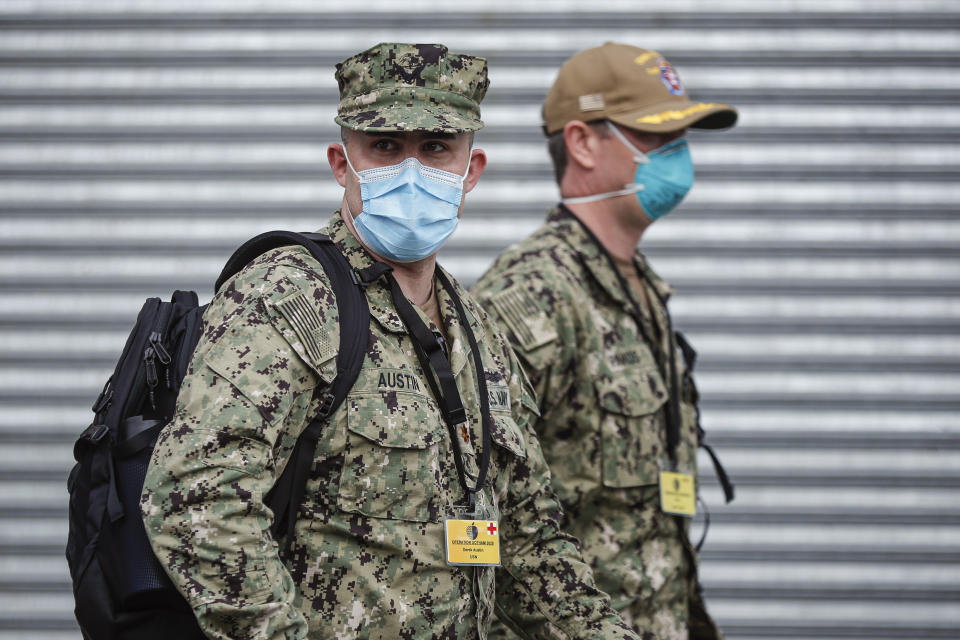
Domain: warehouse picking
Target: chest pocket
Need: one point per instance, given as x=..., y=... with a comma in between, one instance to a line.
x=391, y=466
x=631, y=429
x=506, y=434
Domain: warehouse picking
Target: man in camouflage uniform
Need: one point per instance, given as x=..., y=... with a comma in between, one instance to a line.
x=367, y=559
x=588, y=317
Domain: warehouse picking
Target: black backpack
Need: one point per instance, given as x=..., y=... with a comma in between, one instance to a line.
x=121, y=591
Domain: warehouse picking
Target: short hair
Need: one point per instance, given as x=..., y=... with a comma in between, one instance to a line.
x=557, y=147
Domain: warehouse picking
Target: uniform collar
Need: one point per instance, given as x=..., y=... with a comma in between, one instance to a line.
x=591, y=254
x=381, y=303
x=378, y=294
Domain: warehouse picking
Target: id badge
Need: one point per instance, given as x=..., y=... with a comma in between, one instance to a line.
x=678, y=494
x=472, y=537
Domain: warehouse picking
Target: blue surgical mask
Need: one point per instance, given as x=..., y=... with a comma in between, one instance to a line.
x=409, y=210
x=664, y=176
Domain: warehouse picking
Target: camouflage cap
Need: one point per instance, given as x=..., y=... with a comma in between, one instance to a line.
x=411, y=87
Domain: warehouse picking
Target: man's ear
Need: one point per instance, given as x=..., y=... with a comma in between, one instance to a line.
x=581, y=143
x=478, y=162
x=338, y=163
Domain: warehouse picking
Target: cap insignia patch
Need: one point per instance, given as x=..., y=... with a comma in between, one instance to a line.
x=670, y=78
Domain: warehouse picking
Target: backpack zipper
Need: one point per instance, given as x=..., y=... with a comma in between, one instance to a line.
x=162, y=355
x=156, y=351
x=150, y=366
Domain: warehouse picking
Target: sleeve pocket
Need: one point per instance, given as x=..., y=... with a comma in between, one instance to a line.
x=262, y=366
x=223, y=450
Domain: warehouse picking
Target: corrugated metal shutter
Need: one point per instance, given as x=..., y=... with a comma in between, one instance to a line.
x=817, y=261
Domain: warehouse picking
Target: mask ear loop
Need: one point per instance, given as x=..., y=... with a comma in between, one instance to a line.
x=463, y=178
x=638, y=156
x=359, y=179
x=350, y=164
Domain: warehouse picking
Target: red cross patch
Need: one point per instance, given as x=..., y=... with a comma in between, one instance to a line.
x=464, y=433
x=491, y=528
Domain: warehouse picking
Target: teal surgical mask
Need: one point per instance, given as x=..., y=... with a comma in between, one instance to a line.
x=664, y=176
x=409, y=209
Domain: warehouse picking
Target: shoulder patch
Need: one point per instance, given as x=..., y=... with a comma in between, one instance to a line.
x=521, y=314
x=306, y=323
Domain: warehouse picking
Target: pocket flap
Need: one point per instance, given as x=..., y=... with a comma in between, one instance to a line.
x=506, y=433
x=635, y=393
x=395, y=424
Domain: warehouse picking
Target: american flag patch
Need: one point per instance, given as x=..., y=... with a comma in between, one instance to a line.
x=521, y=314
x=306, y=323
x=592, y=102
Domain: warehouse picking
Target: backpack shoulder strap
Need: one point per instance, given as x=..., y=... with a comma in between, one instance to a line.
x=354, y=322
x=258, y=245
x=287, y=494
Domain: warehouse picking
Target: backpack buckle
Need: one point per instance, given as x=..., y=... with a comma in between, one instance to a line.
x=106, y=395
x=326, y=405
x=369, y=275
x=95, y=433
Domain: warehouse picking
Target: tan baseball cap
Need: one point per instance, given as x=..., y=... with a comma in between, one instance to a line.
x=634, y=87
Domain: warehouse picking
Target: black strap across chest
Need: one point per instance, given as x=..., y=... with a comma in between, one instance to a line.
x=436, y=366
x=673, y=408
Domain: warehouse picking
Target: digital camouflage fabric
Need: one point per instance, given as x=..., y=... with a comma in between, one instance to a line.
x=602, y=418
x=411, y=87
x=367, y=559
